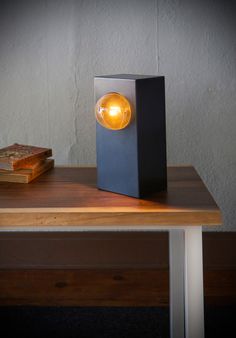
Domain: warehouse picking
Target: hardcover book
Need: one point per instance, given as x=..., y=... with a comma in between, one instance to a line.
x=26, y=175
x=18, y=156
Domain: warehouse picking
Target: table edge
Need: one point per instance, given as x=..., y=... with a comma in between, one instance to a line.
x=83, y=216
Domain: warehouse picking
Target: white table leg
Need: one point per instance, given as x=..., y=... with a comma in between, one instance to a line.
x=176, y=259
x=186, y=283
x=194, y=296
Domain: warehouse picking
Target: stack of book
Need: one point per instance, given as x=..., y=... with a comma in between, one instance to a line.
x=23, y=163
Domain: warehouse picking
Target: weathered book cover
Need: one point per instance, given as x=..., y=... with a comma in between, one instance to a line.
x=26, y=175
x=18, y=156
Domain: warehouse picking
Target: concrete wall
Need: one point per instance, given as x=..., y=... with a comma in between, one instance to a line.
x=50, y=51
x=197, y=54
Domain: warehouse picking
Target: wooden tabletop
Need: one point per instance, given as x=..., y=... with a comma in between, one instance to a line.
x=69, y=197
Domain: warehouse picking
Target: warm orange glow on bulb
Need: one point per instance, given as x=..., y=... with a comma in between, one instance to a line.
x=113, y=111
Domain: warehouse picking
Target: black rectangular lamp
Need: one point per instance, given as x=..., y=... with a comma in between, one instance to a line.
x=131, y=134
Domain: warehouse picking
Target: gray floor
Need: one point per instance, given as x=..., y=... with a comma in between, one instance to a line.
x=72, y=322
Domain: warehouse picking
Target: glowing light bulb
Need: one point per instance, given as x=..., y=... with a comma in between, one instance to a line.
x=113, y=111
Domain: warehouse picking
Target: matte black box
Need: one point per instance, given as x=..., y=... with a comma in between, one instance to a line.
x=132, y=161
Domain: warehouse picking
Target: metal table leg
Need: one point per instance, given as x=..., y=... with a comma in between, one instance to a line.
x=194, y=302
x=186, y=283
x=176, y=258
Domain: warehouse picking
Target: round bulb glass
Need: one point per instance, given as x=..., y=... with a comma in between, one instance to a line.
x=113, y=111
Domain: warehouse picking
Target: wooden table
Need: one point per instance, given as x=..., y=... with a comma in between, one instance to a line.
x=66, y=199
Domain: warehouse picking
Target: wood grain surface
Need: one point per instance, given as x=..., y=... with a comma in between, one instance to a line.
x=69, y=197
x=105, y=287
x=137, y=275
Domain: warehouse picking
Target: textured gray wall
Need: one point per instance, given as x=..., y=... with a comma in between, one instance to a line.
x=50, y=51
x=197, y=54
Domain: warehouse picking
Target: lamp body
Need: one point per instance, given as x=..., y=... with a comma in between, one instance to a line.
x=132, y=160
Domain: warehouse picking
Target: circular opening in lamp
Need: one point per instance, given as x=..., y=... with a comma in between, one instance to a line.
x=113, y=111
